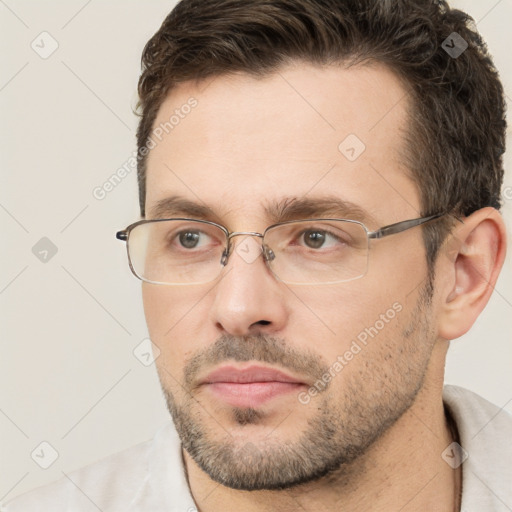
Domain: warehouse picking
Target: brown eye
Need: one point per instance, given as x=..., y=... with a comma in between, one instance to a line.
x=314, y=239
x=189, y=239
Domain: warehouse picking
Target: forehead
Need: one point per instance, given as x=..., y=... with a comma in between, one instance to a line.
x=234, y=143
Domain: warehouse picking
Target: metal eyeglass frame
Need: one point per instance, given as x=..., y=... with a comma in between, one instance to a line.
x=268, y=254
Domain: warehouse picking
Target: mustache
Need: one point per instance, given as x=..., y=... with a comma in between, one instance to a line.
x=258, y=348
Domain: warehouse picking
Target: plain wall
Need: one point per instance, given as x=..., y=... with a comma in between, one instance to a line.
x=69, y=325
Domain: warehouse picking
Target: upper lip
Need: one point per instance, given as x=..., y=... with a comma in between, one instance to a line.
x=249, y=374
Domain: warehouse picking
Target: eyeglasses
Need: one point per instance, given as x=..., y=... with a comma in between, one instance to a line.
x=300, y=252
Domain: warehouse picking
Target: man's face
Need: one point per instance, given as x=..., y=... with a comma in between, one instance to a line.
x=352, y=356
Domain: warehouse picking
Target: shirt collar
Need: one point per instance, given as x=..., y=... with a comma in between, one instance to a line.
x=165, y=488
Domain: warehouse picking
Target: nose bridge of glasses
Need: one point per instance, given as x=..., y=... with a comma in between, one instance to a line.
x=251, y=233
x=229, y=249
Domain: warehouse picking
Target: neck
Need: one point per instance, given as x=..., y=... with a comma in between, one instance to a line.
x=403, y=470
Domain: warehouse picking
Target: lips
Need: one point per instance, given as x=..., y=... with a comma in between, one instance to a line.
x=250, y=387
x=248, y=375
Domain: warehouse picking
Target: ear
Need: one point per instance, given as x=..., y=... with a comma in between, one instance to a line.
x=469, y=265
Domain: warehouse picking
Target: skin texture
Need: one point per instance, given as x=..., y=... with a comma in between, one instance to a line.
x=372, y=439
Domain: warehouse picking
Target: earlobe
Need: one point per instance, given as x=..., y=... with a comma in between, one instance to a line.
x=475, y=258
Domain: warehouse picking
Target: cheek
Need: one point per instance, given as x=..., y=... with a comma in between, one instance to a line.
x=166, y=307
x=332, y=317
x=158, y=310
x=370, y=351
x=172, y=316
x=355, y=324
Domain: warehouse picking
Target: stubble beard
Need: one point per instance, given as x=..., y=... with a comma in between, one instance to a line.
x=339, y=433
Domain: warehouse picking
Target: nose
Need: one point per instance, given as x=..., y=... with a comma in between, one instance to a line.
x=268, y=254
x=248, y=297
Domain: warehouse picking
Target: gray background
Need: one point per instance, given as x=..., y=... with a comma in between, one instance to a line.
x=70, y=323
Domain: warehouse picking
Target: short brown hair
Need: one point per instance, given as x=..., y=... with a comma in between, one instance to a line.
x=457, y=121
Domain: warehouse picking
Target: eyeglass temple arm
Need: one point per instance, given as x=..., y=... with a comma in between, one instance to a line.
x=398, y=227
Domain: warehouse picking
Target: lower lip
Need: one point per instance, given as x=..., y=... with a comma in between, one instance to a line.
x=251, y=394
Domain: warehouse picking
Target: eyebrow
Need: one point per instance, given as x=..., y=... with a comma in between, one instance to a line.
x=294, y=208
x=177, y=206
x=282, y=210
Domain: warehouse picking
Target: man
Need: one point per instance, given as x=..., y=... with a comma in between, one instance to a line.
x=319, y=188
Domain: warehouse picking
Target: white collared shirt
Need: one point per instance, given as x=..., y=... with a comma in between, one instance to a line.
x=149, y=477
